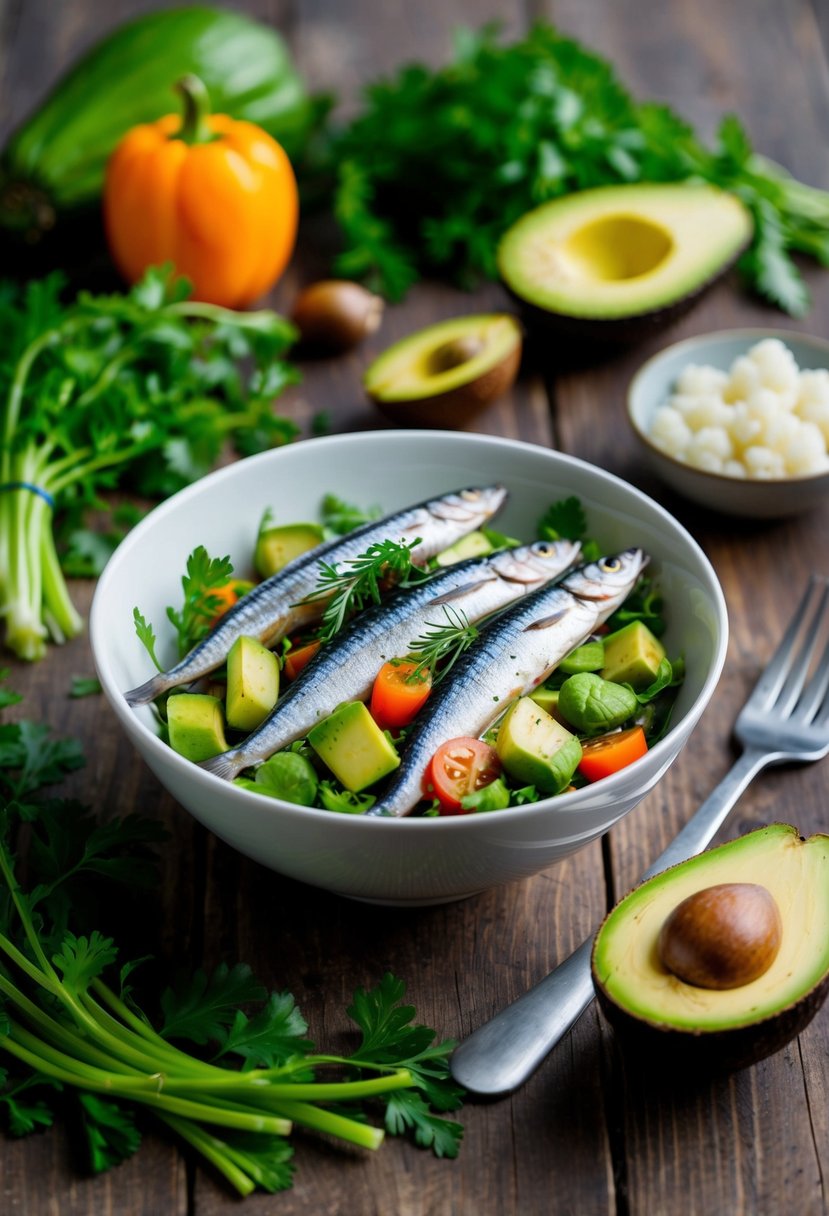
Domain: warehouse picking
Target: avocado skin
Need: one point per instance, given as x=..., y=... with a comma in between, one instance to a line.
x=457, y=406
x=713, y=1052
x=587, y=333
x=688, y=1052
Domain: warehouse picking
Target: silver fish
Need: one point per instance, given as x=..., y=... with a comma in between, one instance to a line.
x=345, y=668
x=513, y=656
x=276, y=606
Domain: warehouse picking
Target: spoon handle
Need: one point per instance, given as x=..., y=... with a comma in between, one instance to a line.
x=500, y=1055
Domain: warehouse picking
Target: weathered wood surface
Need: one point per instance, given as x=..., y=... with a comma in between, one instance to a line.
x=589, y=1133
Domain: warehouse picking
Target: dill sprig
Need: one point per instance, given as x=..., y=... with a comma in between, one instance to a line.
x=360, y=582
x=441, y=645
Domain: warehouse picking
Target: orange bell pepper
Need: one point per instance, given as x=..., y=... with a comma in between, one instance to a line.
x=215, y=197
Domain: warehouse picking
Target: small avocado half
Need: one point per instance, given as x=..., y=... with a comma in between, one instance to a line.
x=443, y=375
x=612, y=263
x=666, y=1020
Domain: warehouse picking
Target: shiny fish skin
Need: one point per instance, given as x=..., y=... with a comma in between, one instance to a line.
x=274, y=607
x=517, y=653
x=345, y=668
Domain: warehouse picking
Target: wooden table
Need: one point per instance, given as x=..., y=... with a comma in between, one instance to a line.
x=588, y=1134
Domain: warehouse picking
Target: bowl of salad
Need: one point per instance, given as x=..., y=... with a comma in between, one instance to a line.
x=408, y=666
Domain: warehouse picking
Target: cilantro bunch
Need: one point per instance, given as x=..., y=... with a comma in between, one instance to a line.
x=440, y=163
x=229, y=1070
x=106, y=390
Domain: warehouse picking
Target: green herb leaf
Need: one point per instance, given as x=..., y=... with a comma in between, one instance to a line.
x=206, y=1007
x=563, y=520
x=203, y=575
x=110, y=1131
x=271, y=1037
x=84, y=686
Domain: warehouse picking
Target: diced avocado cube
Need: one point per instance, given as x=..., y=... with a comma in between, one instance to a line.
x=475, y=544
x=252, y=683
x=588, y=657
x=632, y=656
x=196, y=725
x=277, y=546
x=353, y=746
x=535, y=749
x=547, y=698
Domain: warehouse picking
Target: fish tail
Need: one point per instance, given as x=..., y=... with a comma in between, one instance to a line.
x=144, y=693
x=226, y=765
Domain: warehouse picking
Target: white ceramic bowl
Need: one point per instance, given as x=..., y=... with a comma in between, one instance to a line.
x=408, y=861
x=749, y=498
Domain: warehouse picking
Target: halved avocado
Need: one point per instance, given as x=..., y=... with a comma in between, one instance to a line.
x=661, y=1016
x=614, y=262
x=443, y=375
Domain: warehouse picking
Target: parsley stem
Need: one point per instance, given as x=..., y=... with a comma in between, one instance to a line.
x=213, y=1150
x=265, y=1090
x=334, y=1124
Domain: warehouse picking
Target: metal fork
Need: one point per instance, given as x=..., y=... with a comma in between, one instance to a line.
x=785, y=719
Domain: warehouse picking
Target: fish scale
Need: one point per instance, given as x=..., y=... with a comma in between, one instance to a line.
x=345, y=668
x=516, y=654
x=278, y=605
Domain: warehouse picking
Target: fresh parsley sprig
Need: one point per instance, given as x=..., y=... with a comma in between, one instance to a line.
x=439, y=163
x=141, y=390
x=66, y=1026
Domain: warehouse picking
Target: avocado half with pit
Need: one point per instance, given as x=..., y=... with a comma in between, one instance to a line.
x=445, y=374
x=666, y=1019
x=612, y=263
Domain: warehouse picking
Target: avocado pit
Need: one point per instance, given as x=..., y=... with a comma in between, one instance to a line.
x=722, y=937
x=713, y=918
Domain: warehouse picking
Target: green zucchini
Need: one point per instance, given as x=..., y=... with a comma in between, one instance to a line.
x=56, y=160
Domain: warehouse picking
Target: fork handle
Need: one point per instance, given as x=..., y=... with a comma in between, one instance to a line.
x=502, y=1053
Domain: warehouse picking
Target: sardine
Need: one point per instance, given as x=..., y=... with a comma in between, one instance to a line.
x=280, y=603
x=345, y=668
x=511, y=658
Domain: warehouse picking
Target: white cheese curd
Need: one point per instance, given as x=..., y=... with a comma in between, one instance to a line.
x=762, y=419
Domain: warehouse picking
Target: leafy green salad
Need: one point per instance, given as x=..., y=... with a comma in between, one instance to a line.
x=606, y=703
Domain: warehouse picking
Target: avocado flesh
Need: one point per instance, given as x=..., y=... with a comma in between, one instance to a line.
x=621, y=251
x=407, y=371
x=626, y=964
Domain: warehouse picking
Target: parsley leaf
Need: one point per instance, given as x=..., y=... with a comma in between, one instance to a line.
x=439, y=163
x=563, y=520
x=388, y=1037
x=203, y=576
x=110, y=1131
x=84, y=686
x=206, y=1007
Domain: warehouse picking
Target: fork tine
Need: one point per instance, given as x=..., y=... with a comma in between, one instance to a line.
x=796, y=678
x=771, y=681
x=815, y=703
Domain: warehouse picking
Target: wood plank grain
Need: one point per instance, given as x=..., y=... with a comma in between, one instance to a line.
x=719, y=1143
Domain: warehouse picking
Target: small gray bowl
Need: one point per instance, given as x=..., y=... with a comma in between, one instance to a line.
x=750, y=498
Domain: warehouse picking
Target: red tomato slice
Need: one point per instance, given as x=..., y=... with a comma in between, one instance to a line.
x=395, y=697
x=459, y=767
x=609, y=753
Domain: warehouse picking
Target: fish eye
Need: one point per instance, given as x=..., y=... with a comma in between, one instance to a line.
x=609, y=565
x=544, y=547
x=471, y=495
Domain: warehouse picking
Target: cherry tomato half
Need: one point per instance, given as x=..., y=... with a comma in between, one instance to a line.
x=609, y=753
x=398, y=693
x=459, y=767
